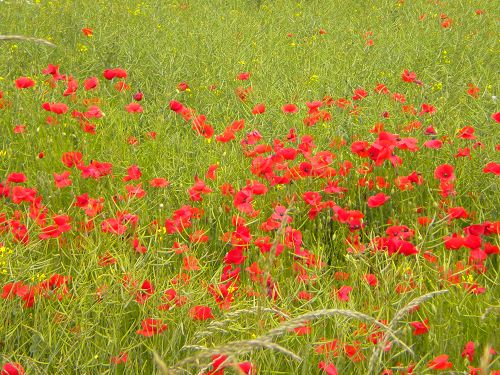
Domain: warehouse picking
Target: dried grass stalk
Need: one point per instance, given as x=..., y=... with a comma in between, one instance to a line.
x=218, y=325
x=231, y=348
x=393, y=326
x=9, y=38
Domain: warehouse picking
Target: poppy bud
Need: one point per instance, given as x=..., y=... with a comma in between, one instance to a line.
x=138, y=96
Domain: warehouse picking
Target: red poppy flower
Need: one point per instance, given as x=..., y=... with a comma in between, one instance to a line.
x=159, y=182
x=57, y=108
x=24, y=83
x=87, y=31
x=440, y=363
x=473, y=90
x=371, y=279
x=90, y=83
x=359, y=94
x=408, y=76
x=53, y=70
x=433, y=143
x=151, y=327
x=469, y=351
x=303, y=330
x=183, y=86
x=146, y=290
x=444, y=172
x=259, y=109
x=12, y=368
x=430, y=130
x=109, y=74
x=420, y=328
x=19, y=129
x=381, y=89
x=343, y=292
x=210, y=175
x=234, y=256
x=427, y=108
x=133, y=173
x=466, y=132
x=247, y=368
x=62, y=180
x=176, y=106
x=201, y=313
x=289, y=108
x=243, y=76
x=377, y=200
x=17, y=178
x=328, y=369
x=492, y=167
x=134, y=107
x=121, y=358
x=496, y=117
x=72, y=159
x=190, y=263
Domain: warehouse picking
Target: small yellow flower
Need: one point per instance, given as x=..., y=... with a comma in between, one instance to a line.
x=82, y=47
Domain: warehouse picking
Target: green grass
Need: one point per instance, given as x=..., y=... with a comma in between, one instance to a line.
x=207, y=44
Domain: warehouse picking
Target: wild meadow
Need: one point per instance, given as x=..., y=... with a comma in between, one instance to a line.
x=249, y=187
